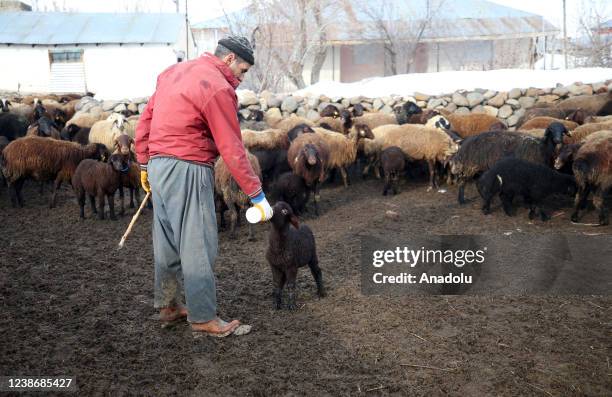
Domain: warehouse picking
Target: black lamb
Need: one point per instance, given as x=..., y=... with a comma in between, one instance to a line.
x=292, y=189
x=534, y=182
x=392, y=162
x=290, y=247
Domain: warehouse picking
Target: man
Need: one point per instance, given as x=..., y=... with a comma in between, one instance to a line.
x=189, y=120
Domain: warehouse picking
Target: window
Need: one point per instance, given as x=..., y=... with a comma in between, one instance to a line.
x=66, y=56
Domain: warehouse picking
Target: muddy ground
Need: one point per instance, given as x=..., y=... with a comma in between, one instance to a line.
x=72, y=304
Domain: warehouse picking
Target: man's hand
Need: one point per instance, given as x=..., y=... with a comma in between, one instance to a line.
x=144, y=181
x=260, y=202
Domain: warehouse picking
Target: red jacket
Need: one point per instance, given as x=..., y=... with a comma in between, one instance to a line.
x=192, y=116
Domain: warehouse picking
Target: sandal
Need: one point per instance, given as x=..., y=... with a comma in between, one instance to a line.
x=236, y=329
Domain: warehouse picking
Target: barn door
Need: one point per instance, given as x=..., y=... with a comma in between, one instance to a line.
x=67, y=71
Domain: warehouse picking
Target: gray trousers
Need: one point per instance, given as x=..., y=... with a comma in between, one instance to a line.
x=184, y=235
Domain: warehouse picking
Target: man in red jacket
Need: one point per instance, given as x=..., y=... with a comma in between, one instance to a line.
x=188, y=121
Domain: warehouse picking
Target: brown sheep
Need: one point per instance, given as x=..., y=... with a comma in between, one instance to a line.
x=373, y=120
x=591, y=104
x=44, y=159
x=99, y=179
x=422, y=143
x=292, y=121
x=593, y=171
x=330, y=111
x=229, y=192
x=545, y=111
x=343, y=149
x=308, y=157
x=585, y=130
x=473, y=124
x=341, y=124
x=543, y=122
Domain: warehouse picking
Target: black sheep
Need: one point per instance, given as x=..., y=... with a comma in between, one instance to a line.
x=511, y=177
x=330, y=111
x=392, y=162
x=12, y=126
x=292, y=189
x=480, y=152
x=290, y=248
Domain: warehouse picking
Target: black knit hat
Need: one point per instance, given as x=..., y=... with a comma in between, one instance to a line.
x=240, y=46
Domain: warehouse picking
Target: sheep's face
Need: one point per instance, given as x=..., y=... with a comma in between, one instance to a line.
x=364, y=131
x=411, y=108
x=346, y=118
x=555, y=132
x=310, y=154
x=299, y=130
x=330, y=111
x=119, y=162
x=439, y=122
x=255, y=115
x=4, y=105
x=578, y=116
x=101, y=153
x=566, y=154
x=283, y=215
x=358, y=110
x=124, y=144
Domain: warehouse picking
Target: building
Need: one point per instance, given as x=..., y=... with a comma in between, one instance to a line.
x=11, y=5
x=461, y=35
x=112, y=55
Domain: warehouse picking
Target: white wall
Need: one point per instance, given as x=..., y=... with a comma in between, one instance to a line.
x=24, y=69
x=111, y=71
x=331, y=67
x=129, y=71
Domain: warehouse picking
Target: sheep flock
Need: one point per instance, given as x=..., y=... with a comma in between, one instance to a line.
x=45, y=139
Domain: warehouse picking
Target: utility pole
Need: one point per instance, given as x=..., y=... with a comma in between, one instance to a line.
x=187, y=30
x=564, y=34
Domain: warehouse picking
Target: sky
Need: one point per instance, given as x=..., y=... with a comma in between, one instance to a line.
x=200, y=10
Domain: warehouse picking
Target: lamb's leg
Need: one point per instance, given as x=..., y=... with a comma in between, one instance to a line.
x=377, y=167
x=111, y=206
x=81, y=200
x=132, y=197
x=92, y=202
x=316, y=198
x=121, y=200
x=507, y=203
x=56, y=186
x=345, y=178
x=101, y=206
x=387, y=183
x=486, y=207
x=431, y=164
x=233, y=219
x=278, y=279
x=461, y=193
x=291, y=273
x=580, y=202
x=251, y=236
x=599, y=200
x=317, y=275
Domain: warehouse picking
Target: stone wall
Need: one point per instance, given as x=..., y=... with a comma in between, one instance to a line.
x=508, y=106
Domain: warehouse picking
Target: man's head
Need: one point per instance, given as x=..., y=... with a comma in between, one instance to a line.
x=237, y=53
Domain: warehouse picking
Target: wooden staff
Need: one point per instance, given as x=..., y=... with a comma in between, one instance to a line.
x=134, y=218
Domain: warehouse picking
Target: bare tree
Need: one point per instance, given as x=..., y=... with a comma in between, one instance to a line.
x=401, y=27
x=287, y=36
x=594, y=47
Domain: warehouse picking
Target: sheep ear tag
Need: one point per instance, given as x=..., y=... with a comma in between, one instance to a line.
x=284, y=211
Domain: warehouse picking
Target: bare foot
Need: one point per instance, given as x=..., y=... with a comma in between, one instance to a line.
x=216, y=327
x=170, y=314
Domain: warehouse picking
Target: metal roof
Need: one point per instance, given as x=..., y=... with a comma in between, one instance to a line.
x=49, y=28
x=452, y=20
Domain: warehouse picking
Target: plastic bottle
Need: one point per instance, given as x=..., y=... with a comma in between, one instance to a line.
x=254, y=215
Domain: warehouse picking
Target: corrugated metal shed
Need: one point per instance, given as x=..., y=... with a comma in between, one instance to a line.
x=49, y=28
x=452, y=20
